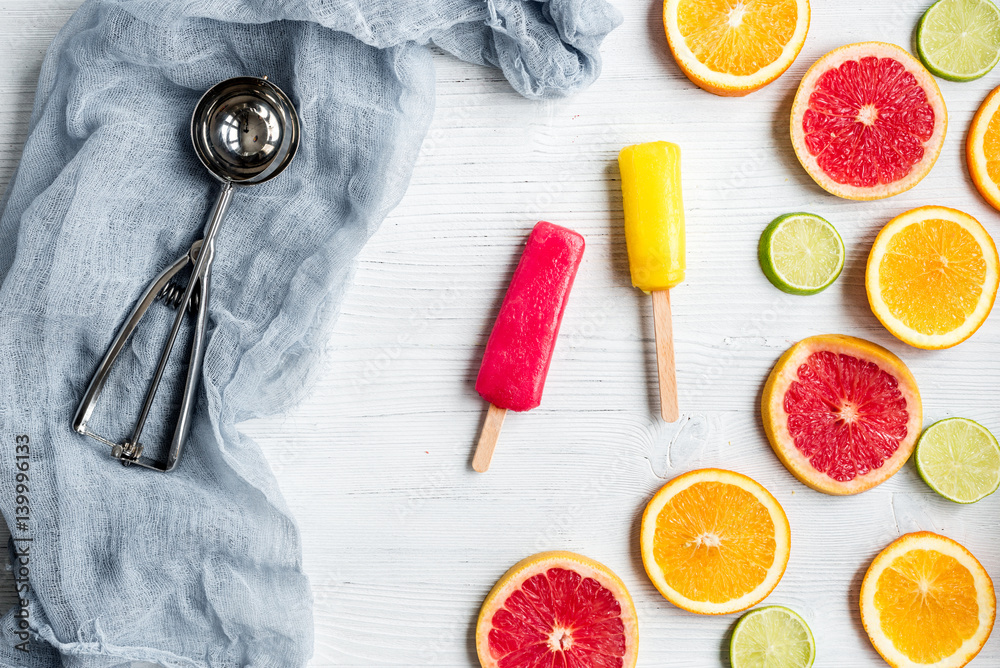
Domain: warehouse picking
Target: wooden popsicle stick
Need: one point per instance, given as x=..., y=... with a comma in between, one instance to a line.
x=488, y=438
x=665, y=355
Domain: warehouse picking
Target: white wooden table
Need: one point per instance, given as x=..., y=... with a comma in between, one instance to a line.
x=402, y=539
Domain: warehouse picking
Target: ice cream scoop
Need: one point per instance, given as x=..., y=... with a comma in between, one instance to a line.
x=245, y=131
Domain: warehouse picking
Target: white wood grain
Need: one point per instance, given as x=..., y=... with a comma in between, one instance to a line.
x=402, y=540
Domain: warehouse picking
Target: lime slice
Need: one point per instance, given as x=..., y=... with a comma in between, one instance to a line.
x=772, y=637
x=801, y=253
x=959, y=40
x=959, y=459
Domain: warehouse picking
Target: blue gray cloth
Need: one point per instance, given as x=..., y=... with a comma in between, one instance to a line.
x=202, y=566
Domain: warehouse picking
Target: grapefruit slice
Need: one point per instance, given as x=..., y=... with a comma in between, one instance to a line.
x=868, y=121
x=927, y=602
x=714, y=541
x=558, y=609
x=841, y=413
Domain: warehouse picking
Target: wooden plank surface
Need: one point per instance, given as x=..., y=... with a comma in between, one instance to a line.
x=402, y=540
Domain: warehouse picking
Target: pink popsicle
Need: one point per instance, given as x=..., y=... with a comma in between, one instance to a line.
x=519, y=351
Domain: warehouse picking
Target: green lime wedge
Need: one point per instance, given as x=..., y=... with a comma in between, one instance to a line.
x=959, y=40
x=801, y=253
x=772, y=637
x=959, y=459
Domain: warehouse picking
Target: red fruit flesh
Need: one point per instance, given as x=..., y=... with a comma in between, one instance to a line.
x=846, y=415
x=559, y=619
x=867, y=122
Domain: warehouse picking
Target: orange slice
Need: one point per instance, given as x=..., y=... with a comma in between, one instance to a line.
x=982, y=151
x=714, y=541
x=734, y=47
x=932, y=276
x=927, y=602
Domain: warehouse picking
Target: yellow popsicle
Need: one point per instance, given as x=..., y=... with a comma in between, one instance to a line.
x=654, y=214
x=654, y=236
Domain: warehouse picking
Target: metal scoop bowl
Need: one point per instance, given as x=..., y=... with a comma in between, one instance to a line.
x=245, y=131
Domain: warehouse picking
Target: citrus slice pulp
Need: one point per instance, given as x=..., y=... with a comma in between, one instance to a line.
x=868, y=121
x=557, y=609
x=982, y=150
x=926, y=602
x=734, y=47
x=772, y=637
x=959, y=40
x=959, y=459
x=801, y=253
x=841, y=413
x=932, y=276
x=714, y=542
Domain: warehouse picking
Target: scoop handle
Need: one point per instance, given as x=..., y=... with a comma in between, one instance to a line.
x=202, y=268
x=664, y=331
x=488, y=438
